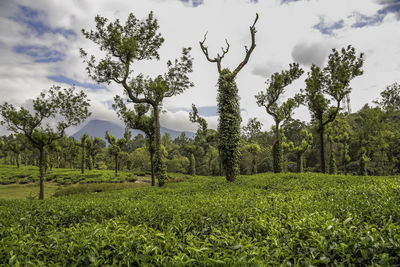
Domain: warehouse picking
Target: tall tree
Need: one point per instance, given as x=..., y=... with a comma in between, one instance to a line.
x=228, y=107
x=332, y=84
x=138, y=119
x=275, y=89
x=123, y=45
x=70, y=107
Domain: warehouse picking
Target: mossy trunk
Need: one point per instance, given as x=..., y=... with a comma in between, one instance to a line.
x=332, y=164
x=153, y=181
x=192, y=167
x=299, y=162
x=83, y=159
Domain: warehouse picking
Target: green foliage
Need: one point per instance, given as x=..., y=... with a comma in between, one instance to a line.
x=280, y=219
x=70, y=107
x=229, y=124
x=390, y=98
x=332, y=163
x=192, y=166
x=332, y=84
x=138, y=40
x=275, y=89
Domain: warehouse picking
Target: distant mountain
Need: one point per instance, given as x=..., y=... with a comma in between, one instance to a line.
x=98, y=128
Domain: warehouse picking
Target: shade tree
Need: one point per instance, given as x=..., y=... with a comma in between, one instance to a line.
x=270, y=99
x=125, y=44
x=67, y=106
x=326, y=88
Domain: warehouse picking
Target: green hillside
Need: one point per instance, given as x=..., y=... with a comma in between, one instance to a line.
x=265, y=219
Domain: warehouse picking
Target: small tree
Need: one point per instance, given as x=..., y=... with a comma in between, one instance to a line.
x=332, y=84
x=83, y=144
x=275, y=89
x=14, y=143
x=138, y=40
x=229, y=108
x=254, y=150
x=71, y=109
x=306, y=142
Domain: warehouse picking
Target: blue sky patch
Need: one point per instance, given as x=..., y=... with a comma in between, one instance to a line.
x=41, y=54
x=33, y=19
x=363, y=20
x=66, y=80
x=194, y=3
x=328, y=28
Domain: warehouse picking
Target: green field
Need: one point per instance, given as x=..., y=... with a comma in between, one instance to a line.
x=266, y=219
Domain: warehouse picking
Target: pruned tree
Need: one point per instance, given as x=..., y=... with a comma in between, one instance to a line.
x=326, y=88
x=229, y=107
x=269, y=99
x=70, y=108
x=123, y=45
x=139, y=119
x=254, y=150
x=15, y=144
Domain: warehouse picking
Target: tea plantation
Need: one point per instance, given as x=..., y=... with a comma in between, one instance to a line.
x=266, y=219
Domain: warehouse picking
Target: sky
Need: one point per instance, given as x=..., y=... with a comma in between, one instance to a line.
x=40, y=41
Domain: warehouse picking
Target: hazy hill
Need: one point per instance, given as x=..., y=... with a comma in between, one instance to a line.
x=99, y=127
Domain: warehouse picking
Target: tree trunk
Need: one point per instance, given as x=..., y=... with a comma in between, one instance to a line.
x=83, y=159
x=153, y=182
x=322, y=148
x=41, y=177
x=159, y=169
x=299, y=162
x=277, y=150
x=230, y=175
x=17, y=159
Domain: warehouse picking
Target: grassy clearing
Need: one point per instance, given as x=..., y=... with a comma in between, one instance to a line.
x=26, y=191
x=266, y=219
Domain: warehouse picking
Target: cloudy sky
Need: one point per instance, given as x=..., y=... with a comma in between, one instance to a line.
x=40, y=41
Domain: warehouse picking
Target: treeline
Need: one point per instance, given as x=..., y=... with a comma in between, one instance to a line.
x=366, y=142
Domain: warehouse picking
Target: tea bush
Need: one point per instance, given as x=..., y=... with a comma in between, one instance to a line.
x=265, y=219
x=28, y=174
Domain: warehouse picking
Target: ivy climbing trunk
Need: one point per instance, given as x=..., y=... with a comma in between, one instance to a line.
x=229, y=124
x=159, y=169
x=277, y=150
x=153, y=182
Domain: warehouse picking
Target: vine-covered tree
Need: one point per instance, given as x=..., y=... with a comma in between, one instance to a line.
x=229, y=108
x=275, y=89
x=332, y=84
x=125, y=44
x=70, y=107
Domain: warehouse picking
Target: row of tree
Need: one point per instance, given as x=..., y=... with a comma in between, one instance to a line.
x=326, y=89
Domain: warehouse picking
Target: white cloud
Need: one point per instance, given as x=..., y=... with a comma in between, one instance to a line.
x=284, y=32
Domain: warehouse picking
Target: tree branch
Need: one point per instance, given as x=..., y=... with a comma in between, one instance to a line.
x=248, y=51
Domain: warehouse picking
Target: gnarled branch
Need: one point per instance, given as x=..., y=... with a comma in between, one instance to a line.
x=248, y=51
x=216, y=59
